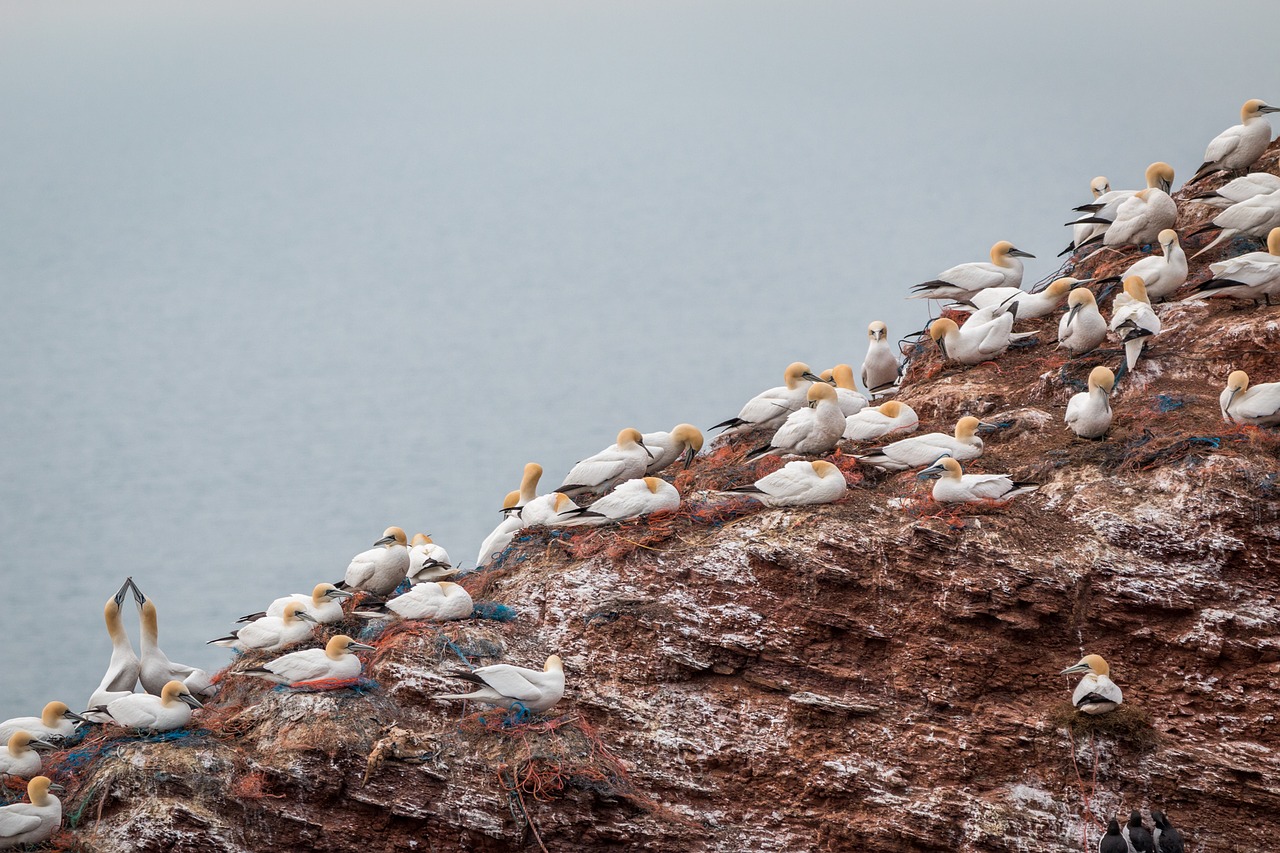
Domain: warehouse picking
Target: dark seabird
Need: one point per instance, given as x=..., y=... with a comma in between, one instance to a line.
x=1140, y=840
x=1113, y=841
x=1168, y=839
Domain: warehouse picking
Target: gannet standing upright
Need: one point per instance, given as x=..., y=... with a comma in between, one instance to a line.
x=1082, y=328
x=1161, y=275
x=880, y=368
x=122, y=672
x=813, y=430
x=1089, y=412
x=29, y=823
x=380, y=569
x=1096, y=693
x=1259, y=405
x=1133, y=321
x=770, y=408
x=156, y=670
x=627, y=459
x=962, y=281
x=505, y=685
x=1240, y=145
x=799, y=483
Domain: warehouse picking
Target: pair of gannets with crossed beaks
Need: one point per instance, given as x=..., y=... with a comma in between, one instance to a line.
x=625, y=460
x=122, y=672
x=798, y=483
x=271, y=632
x=919, y=450
x=963, y=281
x=20, y=758
x=954, y=486
x=34, y=821
x=770, y=408
x=55, y=720
x=156, y=670
x=505, y=685
x=1089, y=412
x=380, y=569
x=1096, y=693
x=1258, y=405
x=337, y=660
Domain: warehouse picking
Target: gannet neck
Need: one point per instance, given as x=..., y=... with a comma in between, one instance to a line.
x=529, y=482
x=115, y=626
x=794, y=373
x=38, y=790
x=966, y=427
x=1060, y=287
x=150, y=629
x=561, y=503
x=843, y=374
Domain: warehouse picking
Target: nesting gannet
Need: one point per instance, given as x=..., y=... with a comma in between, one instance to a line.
x=1113, y=841
x=1244, y=187
x=1258, y=405
x=505, y=685
x=122, y=672
x=1240, y=145
x=1133, y=321
x=770, y=408
x=1140, y=219
x=428, y=561
x=1140, y=841
x=1029, y=306
x=337, y=660
x=156, y=669
x=799, y=483
x=1082, y=328
x=34, y=821
x=1162, y=275
x=813, y=430
x=55, y=719
x=1167, y=839
x=1106, y=209
x=1253, y=217
x=324, y=604
x=500, y=537
x=961, y=282
x=632, y=499
x=271, y=632
x=164, y=713
x=684, y=440
x=954, y=486
x=20, y=757
x=1089, y=412
x=547, y=510
x=1254, y=275
x=925, y=449
x=981, y=338
x=1083, y=232
x=625, y=460
x=851, y=402
x=380, y=569
x=436, y=602
x=880, y=369
x=1096, y=693
x=879, y=421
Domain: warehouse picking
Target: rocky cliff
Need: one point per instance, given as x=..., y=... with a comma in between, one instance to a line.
x=878, y=674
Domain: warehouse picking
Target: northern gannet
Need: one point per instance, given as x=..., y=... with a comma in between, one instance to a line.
x=337, y=661
x=436, y=602
x=55, y=720
x=1254, y=275
x=799, y=483
x=428, y=561
x=981, y=338
x=1140, y=841
x=1106, y=208
x=1253, y=217
x=1096, y=693
x=380, y=569
x=684, y=440
x=1161, y=275
x=851, y=402
x=324, y=604
x=813, y=430
x=156, y=669
x=1082, y=328
x=1030, y=306
x=164, y=713
x=625, y=460
x=20, y=757
x=632, y=499
x=770, y=408
x=1140, y=219
x=1244, y=187
x=1132, y=319
x=880, y=368
x=954, y=486
x=962, y=281
x=1089, y=412
x=879, y=421
x=546, y=510
x=1240, y=145
x=500, y=537
x=1167, y=839
x=925, y=449
x=122, y=672
x=271, y=632
x=505, y=685
x=1113, y=841
x=1258, y=405
x=1085, y=231
x=34, y=821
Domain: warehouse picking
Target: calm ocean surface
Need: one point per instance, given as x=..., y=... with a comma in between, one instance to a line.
x=275, y=277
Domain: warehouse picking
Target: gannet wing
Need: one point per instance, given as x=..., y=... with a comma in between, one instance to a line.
x=1263, y=403
x=509, y=681
x=13, y=823
x=974, y=276
x=1223, y=144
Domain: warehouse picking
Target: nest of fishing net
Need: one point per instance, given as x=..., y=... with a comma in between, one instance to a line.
x=1127, y=724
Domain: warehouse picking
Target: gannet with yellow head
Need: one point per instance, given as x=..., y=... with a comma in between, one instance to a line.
x=436, y=602
x=954, y=486
x=156, y=669
x=19, y=758
x=505, y=685
x=1096, y=693
x=684, y=440
x=380, y=569
x=272, y=632
x=880, y=368
x=963, y=281
x=500, y=537
x=632, y=499
x=1084, y=232
x=547, y=510
x=875, y=422
x=1105, y=211
x=1082, y=328
x=1029, y=306
x=851, y=402
x=1254, y=275
x=813, y=430
x=1240, y=145
x=164, y=713
x=428, y=561
x=770, y=408
x=337, y=661
x=925, y=449
x=323, y=604
x=625, y=460
x=1089, y=412
x=122, y=671
x=986, y=334
x=1258, y=404
x=799, y=483
x=1133, y=321
x=34, y=821
x=55, y=720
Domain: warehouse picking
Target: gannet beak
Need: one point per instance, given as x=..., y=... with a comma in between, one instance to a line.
x=339, y=593
x=124, y=588
x=645, y=449
x=138, y=595
x=942, y=345
x=1018, y=253
x=1234, y=392
x=56, y=787
x=1081, y=281
x=932, y=473
x=385, y=540
x=191, y=701
x=811, y=377
x=72, y=715
x=689, y=455
x=983, y=426
x=1071, y=315
x=1264, y=109
x=362, y=647
x=42, y=744
x=305, y=617
x=1080, y=667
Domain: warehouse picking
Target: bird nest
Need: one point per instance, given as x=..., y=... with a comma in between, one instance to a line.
x=1127, y=724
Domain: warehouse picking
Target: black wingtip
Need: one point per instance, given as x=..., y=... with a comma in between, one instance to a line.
x=732, y=422
x=252, y=617
x=747, y=490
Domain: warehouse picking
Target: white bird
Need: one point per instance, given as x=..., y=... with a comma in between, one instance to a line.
x=1140, y=219
x=1029, y=306
x=502, y=535
x=880, y=369
x=380, y=569
x=1106, y=208
x=1133, y=321
x=272, y=632
x=164, y=713
x=436, y=602
x=1096, y=693
x=851, y=402
x=954, y=486
x=1245, y=404
x=1084, y=232
x=156, y=668
x=1240, y=145
x=813, y=430
x=879, y=421
x=925, y=449
x=20, y=757
x=625, y=460
x=55, y=720
x=1089, y=412
x=337, y=661
x=505, y=685
x=684, y=440
x=29, y=823
x=428, y=561
x=799, y=483
x=547, y=510
x=962, y=281
x=770, y=408
x=1243, y=187
x=1082, y=328
x=981, y=338
x=122, y=671
x=1164, y=274
x=324, y=604
x=1254, y=275
x=1253, y=217
x=632, y=499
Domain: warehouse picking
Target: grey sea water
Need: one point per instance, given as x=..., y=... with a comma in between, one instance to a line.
x=276, y=276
